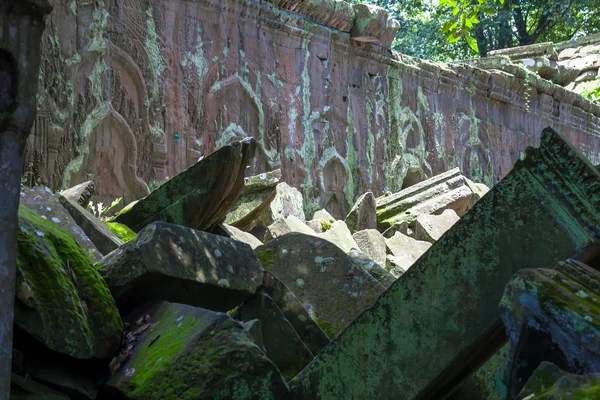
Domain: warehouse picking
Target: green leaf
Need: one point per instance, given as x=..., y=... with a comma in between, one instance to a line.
x=472, y=42
x=448, y=26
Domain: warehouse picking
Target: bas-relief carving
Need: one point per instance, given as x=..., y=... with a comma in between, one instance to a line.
x=285, y=93
x=111, y=159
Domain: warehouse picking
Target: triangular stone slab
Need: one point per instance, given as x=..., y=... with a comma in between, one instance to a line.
x=198, y=197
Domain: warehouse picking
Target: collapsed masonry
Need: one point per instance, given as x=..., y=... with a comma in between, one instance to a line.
x=319, y=310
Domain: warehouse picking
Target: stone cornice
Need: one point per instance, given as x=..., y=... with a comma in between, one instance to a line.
x=513, y=84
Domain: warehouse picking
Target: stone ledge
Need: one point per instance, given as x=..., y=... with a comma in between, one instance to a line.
x=365, y=23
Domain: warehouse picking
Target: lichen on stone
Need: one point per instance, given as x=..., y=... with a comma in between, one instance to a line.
x=75, y=312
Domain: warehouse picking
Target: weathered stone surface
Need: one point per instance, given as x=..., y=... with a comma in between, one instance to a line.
x=311, y=334
x=315, y=225
x=61, y=299
x=445, y=191
x=193, y=353
x=340, y=235
x=324, y=215
x=287, y=202
x=363, y=214
x=377, y=271
x=447, y=301
x=266, y=180
x=173, y=263
x=331, y=286
x=255, y=330
x=101, y=236
x=373, y=244
x=43, y=202
x=245, y=237
x=259, y=191
x=373, y=24
x=283, y=226
x=552, y=315
x=549, y=382
x=405, y=252
x=150, y=101
x=198, y=197
x=284, y=346
x=80, y=194
x=430, y=228
x=24, y=388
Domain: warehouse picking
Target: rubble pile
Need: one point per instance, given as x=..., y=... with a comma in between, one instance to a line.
x=220, y=286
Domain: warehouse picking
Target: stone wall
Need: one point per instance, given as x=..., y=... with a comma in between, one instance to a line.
x=132, y=92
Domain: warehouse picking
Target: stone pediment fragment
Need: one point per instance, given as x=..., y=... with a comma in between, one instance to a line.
x=198, y=197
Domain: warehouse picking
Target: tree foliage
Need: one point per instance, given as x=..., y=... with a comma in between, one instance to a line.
x=444, y=30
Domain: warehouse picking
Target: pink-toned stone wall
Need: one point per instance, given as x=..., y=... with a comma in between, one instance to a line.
x=133, y=92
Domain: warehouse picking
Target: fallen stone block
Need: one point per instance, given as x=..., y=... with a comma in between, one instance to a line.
x=373, y=24
x=198, y=197
x=259, y=191
x=283, y=226
x=552, y=315
x=239, y=235
x=183, y=352
x=255, y=330
x=310, y=333
x=42, y=201
x=80, y=194
x=340, y=235
x=61, y=299
x=287, y=202
x=449, y=190
x=372, y=243
x=330, y=285
x=430, y=228
x=174, y=263
x=543, y=211
x=283, y=345
x=25, y=388
x=315, y=225
x=378, y=272
x=103, y=238
x=363, y=214
x=549, y=382
x=405, y=251
x=324, y=215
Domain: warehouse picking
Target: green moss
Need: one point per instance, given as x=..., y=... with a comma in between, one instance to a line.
x=122, y=231
x=153, y=360
x=189, y=355
x=77, y=313
x=266, y=257
x=326, y=326
x=326, y=225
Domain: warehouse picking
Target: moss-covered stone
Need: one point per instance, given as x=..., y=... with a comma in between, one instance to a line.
x=62, y=300
x=282, y=343
x=122, y=231
x=331, y=286
x=551, y=383
x=193, y=353
x=174, y=263
x=198, y=197
x=561, y=307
